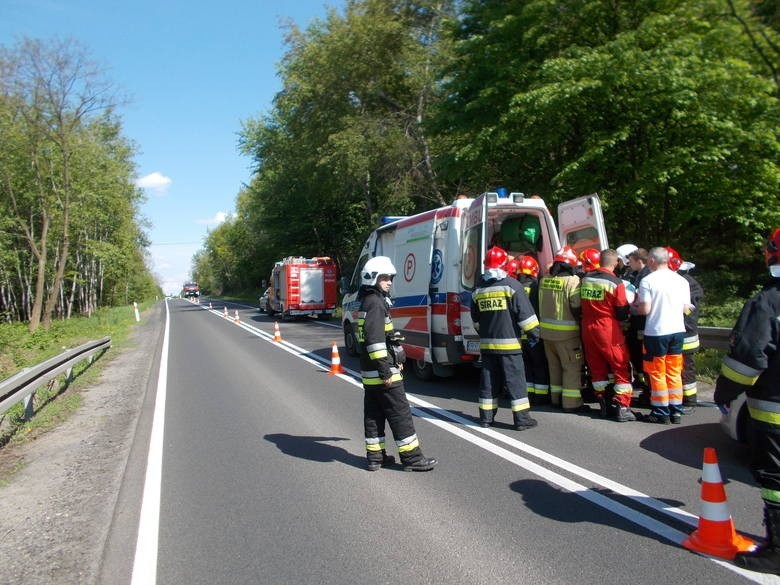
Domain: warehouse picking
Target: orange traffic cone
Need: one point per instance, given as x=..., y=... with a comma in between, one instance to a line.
x=237, y=320
x=277, y=333
x=335, y=361
x=715, y=535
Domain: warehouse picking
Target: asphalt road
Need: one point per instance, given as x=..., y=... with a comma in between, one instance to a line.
x=262, y=479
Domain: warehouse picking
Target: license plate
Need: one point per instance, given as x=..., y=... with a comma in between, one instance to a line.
x=472, y=346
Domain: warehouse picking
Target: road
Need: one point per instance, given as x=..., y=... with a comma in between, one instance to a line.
x=263, y=480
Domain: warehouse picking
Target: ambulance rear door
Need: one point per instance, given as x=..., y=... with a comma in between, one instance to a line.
x=581, y=224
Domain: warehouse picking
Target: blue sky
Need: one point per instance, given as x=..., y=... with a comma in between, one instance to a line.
x=193, y=71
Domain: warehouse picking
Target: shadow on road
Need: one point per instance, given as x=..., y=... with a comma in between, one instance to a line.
x=315, y=449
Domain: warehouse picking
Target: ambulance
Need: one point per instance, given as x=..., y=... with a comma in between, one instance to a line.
x=303, y=286
x=439, y=257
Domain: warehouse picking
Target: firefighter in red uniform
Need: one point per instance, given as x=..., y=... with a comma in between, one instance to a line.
x=381, y=362
x=752, y=365
x=604, y=310
x=502, y=313
x=590, y=258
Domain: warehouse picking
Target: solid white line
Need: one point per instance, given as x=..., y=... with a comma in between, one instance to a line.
x=145, y=563
x=648, y=523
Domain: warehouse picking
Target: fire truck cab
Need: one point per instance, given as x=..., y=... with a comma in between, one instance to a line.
x=439, y=257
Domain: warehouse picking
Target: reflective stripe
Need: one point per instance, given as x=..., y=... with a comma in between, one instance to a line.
x=691, y=342
x=688, y=387
x=600, y=385
x=375, y=443
x=375, y=347
x=767, y=405
x=764, y=410
x=378, y=355
x=407, y=444
x=571, y=393
x=623, y=389
x=739, y=372
x=529, y=323
x=520, y=404
x=714, y=511
x=488, y=403
x=555, y=325
x=505, y=344
x=371, y=377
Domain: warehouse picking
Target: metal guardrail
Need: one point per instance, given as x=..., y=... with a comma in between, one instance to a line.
x=714, y=337
x=22, y=385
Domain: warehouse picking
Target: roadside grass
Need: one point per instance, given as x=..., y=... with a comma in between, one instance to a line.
x=57, y=400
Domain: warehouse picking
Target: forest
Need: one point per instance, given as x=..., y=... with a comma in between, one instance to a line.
x=668, y=109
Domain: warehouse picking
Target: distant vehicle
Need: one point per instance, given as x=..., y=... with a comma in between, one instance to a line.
x=191, y=289
x=263, y=301
x=303, y=286
x=737, y=420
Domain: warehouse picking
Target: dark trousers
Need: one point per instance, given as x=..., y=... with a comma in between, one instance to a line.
x=764, y=440
x=499, y=370
x=380, y=405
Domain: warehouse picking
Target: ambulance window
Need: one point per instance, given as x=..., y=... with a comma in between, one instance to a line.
x=520, y=234
x=472, y=258
x=580, y=239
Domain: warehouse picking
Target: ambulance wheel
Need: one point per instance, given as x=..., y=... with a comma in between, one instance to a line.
x=350, y=341
x=423, y=370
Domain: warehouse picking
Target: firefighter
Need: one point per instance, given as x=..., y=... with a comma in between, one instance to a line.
x=691, y=340
x=638, y=269
x=559, y=317
x=536, y=373
x=381, y=363
x=752, y=365
x=624, y=267
x=502, y=313
x=590, y=259
x=604, y=310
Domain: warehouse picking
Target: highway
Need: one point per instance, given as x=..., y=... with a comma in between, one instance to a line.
x=261, y=477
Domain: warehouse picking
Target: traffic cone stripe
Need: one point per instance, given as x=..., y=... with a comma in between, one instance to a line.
x=335, y=361
x=710, y=473
x=715, y=535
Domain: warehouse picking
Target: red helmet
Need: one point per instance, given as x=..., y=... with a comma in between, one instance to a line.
x=495, y=258
x=591, y=259
x=512, y=267
x=529, y=265
x=566, y=254
x=772, y=249
x=675, y=261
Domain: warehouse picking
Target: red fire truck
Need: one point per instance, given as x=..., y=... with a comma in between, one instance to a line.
x=303, y=286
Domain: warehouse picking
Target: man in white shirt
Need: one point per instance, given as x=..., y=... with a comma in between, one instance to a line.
x=665, y=297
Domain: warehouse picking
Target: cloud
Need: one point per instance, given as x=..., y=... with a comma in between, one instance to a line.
x=218, y=218
x=155, y=181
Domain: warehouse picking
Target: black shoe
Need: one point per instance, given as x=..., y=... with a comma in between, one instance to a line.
x=524, y=421
x=762, y=560
x=421, y=464
x=486, y=423
x=675, y=419
x=688, y=409
x=387, y=461
x=656, y=418
x=624, y=414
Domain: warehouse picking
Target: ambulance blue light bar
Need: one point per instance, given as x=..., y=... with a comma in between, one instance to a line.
x=391, y=218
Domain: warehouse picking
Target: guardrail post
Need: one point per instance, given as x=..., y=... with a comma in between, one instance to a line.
x=69, y=375
x=29, y=407
x=137, y=316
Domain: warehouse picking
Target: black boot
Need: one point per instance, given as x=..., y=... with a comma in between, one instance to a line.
x=765, y=559
x=421, y=464
x=624, y=414
x=601, y=399
x=387, y=461
x=524, y=421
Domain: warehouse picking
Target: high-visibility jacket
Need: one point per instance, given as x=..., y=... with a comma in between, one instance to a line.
x=603, y=296
x=374, y=328
x=752, y=364
x=691, y=341
x=530, y=285
x=559, y=307
x=502, y=313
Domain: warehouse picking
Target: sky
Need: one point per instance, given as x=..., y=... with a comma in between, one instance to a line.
x=192, y=71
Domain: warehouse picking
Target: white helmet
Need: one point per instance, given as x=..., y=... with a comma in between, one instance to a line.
x=374, y=267
x=624, y=250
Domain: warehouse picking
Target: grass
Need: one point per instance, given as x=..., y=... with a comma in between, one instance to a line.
x=57, y=400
